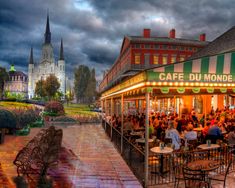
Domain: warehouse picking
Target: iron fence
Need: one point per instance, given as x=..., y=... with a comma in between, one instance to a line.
x=164, y=167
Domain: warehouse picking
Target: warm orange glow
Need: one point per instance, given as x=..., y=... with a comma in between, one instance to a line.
x=181, y=83
x=176, y=83
x=224, y=85
x=201, y=84
x=211, y=85
x=154, y=83
x=233, y=85
x=186, y=83
x=197, y=84
x=165, y=83
x=215, y=84
x=191, y=84
x=229, y=85
x=170, y=83
x=206, y=84
x=148, y=83
x=159, y=83
x=220, y=84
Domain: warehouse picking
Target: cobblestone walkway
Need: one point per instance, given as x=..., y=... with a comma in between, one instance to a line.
x=88, y=159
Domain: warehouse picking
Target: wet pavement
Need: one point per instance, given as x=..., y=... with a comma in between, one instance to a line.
x=87, y=159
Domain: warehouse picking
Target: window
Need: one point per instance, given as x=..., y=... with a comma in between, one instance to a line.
x=164, y=46
x=156, y=46
x=164, y=59
x=146, y=46
x=173, y=58
x=174, y=47
x=137, y=46
x=146, y=59
x=155, y=59
x=137, y=59
x=182, y=48
x=182, y=57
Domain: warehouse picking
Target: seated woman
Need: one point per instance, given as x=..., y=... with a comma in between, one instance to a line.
x=172, y=133
x=190, y=134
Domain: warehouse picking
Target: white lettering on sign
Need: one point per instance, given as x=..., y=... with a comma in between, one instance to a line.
x=195, y=77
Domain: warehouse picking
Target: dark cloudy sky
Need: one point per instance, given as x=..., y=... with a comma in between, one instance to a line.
x=93, y=30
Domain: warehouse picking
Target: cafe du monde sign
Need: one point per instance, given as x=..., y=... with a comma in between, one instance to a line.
x=198, y=77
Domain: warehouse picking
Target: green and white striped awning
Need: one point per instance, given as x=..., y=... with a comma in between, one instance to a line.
x=218, y=68
x=219, y=64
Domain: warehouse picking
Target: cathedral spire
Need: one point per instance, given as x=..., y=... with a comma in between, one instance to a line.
x=61, y=50
x=31, y=57
x=47, y=34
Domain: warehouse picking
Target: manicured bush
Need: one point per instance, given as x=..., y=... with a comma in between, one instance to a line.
x=54, y=107
x=26, y=116
x=65, y=119
x=7, y=119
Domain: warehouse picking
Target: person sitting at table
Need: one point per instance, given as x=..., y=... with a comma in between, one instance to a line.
x=231, y=136
x=172, y=133
x=127, y=126
x=190, y=134
x=214, y=132
x=205, y=129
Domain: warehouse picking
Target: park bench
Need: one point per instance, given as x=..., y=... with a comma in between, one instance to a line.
x=41, y=153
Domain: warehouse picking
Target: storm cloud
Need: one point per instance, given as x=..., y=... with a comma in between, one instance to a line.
x=92, y=30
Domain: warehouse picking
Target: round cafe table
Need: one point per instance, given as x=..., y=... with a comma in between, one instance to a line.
x=198, y=129
x=158, y=150
x=142, y=140
x=205, y=146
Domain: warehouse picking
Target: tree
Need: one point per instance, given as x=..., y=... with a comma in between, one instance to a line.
x=3, y=78
x=40, y=88
x=90, y=92
x=51, y=86
x=81, y=78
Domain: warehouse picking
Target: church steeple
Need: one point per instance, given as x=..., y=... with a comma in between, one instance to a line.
x=61, y=51
x=31, y=57
x=47, y=34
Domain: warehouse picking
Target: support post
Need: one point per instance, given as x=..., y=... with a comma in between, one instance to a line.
x=146, y=139
x=111, y=133
x=174, y=105
x=122, y=118
x=105, y=103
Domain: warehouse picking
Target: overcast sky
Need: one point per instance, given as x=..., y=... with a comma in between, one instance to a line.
x=93, y=30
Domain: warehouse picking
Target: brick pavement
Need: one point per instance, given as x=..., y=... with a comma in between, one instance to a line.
x=88, y=159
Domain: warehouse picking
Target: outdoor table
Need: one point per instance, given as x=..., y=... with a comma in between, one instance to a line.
x=198, y=129
x=204, y=166
x=142, y=140
x=205, y=146
x=158, y=150
x=136, y=133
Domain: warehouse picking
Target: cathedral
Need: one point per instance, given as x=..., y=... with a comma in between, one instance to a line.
x=47, y=64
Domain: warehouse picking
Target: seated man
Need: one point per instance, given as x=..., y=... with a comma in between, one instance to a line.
x=214, y=132
x=172, y=133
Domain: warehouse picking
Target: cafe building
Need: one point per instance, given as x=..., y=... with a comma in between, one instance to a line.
x=204, y=81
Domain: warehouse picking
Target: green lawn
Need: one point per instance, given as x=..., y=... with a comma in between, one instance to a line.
x=78, y=109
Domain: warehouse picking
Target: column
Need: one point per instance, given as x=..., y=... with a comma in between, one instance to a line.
x=146, y=138
x=122, y=119
x=111, y=113
x=187, y=102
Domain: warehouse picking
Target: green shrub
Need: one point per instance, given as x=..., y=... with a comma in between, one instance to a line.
x=7, y=119
x=54, y=107
x=65, y=119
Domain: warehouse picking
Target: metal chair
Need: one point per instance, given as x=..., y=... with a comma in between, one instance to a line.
x=194, y=178
x=230, y=160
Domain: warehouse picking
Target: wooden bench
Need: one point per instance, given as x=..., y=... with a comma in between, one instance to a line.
x=40, y=153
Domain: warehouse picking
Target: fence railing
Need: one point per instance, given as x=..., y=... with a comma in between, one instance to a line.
x=163, y=167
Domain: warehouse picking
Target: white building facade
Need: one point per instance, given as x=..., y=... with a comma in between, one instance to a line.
x=47, y=65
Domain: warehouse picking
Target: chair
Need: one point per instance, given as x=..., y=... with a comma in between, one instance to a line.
x=223, y=178
x=194, y=178
x=177, y=170
x=192, y=144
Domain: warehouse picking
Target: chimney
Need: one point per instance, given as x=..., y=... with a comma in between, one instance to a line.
x=172, y=33
x=146, y=33
x=202, y=37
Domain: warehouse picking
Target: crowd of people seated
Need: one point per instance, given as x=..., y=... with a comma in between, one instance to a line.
x=218, y=125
